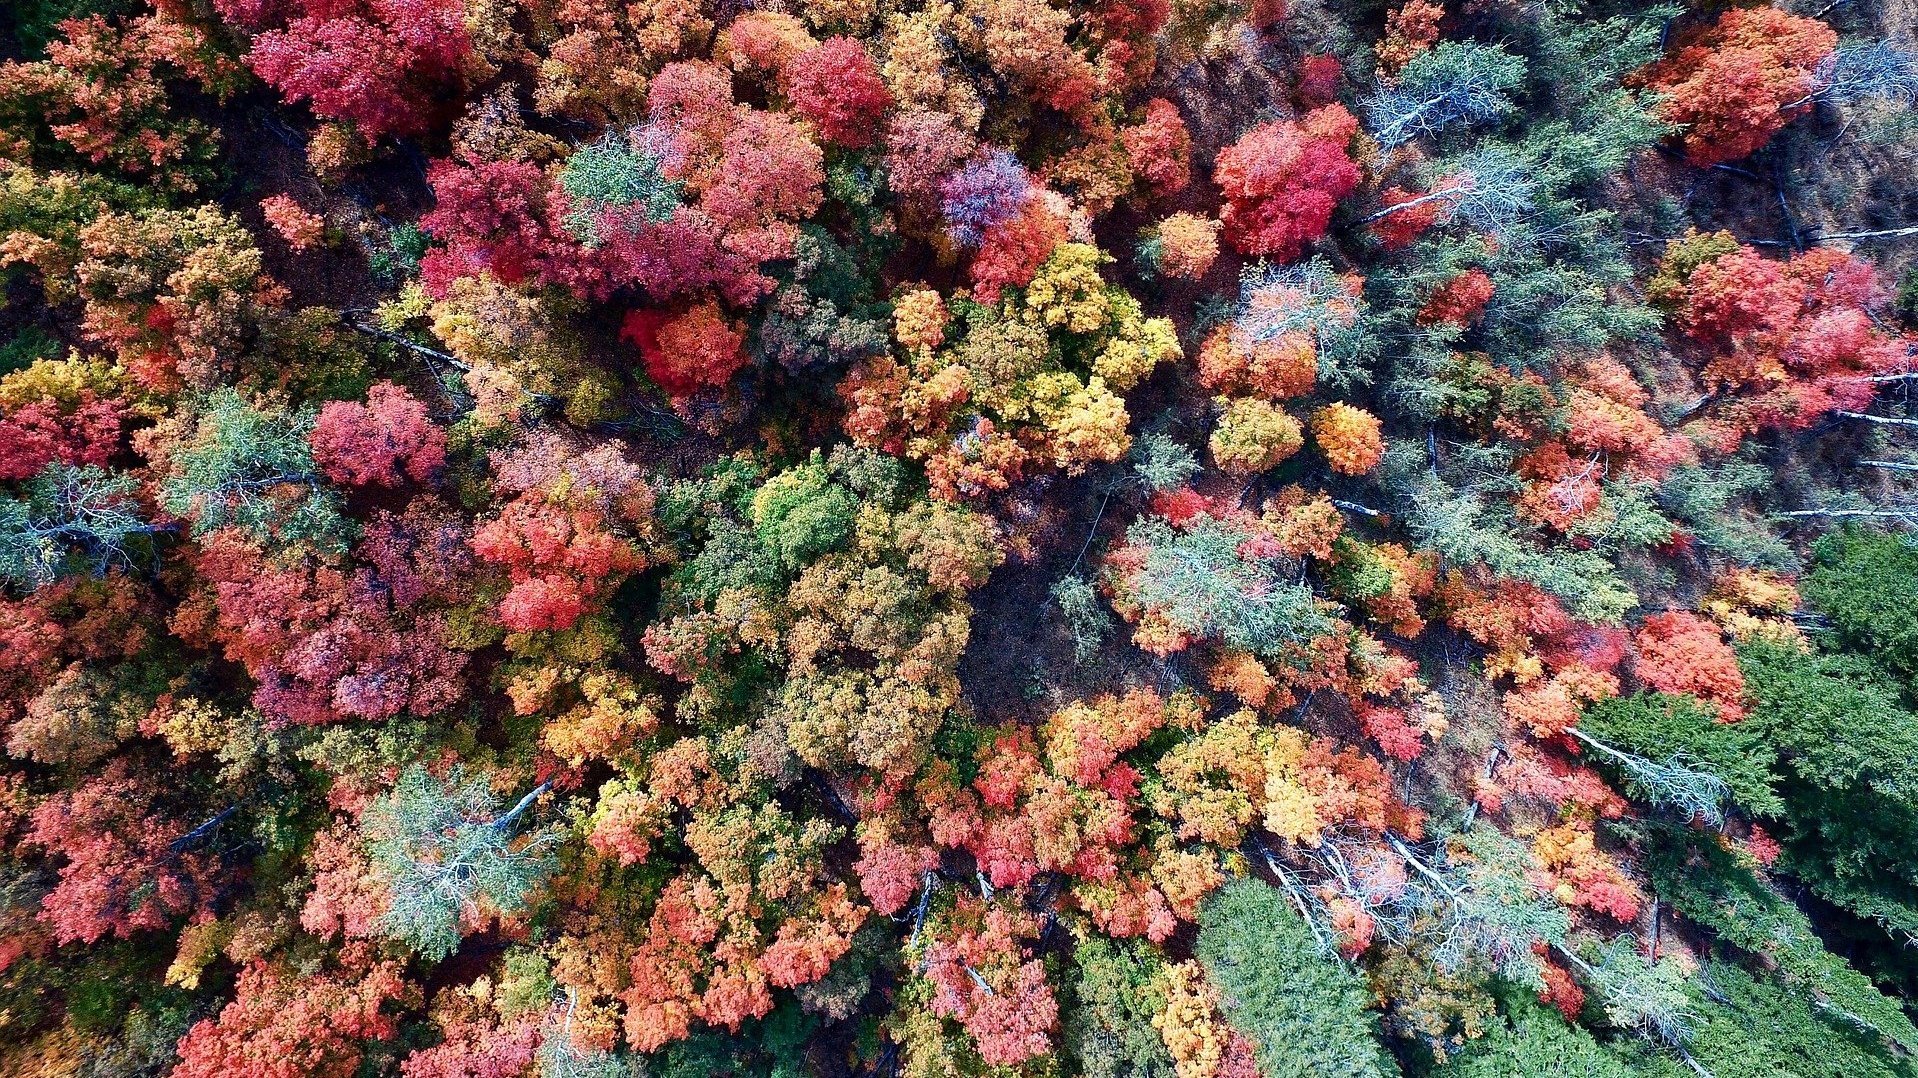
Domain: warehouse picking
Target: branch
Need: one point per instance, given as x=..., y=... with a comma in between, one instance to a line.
x=406, y=343
x=1884, y=420
x=1893, y=465
x=180, y=844
x=1882, y=233
x=1837, y=513
x=1090, y=533
x=1423, y=869
x=525, y=803
x=1354, y=507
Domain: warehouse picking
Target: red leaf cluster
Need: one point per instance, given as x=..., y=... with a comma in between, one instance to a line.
x=1283, y=179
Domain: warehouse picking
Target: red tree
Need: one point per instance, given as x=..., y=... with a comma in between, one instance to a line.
x=1283, y=179
x=121, y=873
x=836, y=85
x=983, y=977
x=492, y=217
x=385, y=442
x=287, y=1025
x=1458, y=301
x=686, y=352
x=322, y=643
x=41, y=432
x=1683, y=653
x=375, y=64
x=1731, y=85
x=1160, y=148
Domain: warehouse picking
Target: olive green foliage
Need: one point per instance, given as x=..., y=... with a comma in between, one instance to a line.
x=823, y=314
x=1867, y=584
x=801, y=514
x=1532, y=1040
x=20, y=350
x=1665, y=728
x=1307, y=1014
x=773, y=1047
x=1845, y=747
x=30, y=24
x=1109, y=1029
x=1714, y=888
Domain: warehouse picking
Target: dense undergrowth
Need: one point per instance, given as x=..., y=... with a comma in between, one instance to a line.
x=983, y=537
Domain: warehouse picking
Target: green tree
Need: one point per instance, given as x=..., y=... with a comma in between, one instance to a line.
x=73, y=519
x=1713, y=887
x=1845, y=746
x=238, y=464
x=1109, y=1026
x=1307, y=1014
x=1532, y=1040
x=1678, y=747
x=1867, y=584
x=448, y=856
x=801, y=514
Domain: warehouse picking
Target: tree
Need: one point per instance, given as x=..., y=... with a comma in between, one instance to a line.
x=126, y=868
x=1411, y=29
x=1253, y=435
x=1837, y=725
x=449, y=857
x=1196, y=1035
x=1349, y=437
x=1282, y=180
x=300, y=228
x=374, y=64
x=241, y=465
x=988, y=191
x=983, y=978
x=1117, y=998
x=492, y=217
x=283, y=1025
x=1459, y=301
x=106, y=90
x=1729, y=86
x=1865, y=71
x=1863, y=582
x=836, y=85
x=607, y=181
x=689, y=351
x=1305, y=1014
x=72, y=519
x=1459, y=82
x=385, y=442
x=1682, y=653
x=1529, y=1038
x=1722, y=890
x=1206, y=577
x=566, y=540
x=1183, y=245
x=1159, y=148
x=175, y=293
x=1667, y=745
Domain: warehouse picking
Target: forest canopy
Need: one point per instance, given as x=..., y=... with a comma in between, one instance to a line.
x=958, y=539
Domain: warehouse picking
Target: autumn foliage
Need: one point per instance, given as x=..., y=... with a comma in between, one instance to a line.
x=978, y=539
x=1730, y=85
x=1282, y=180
